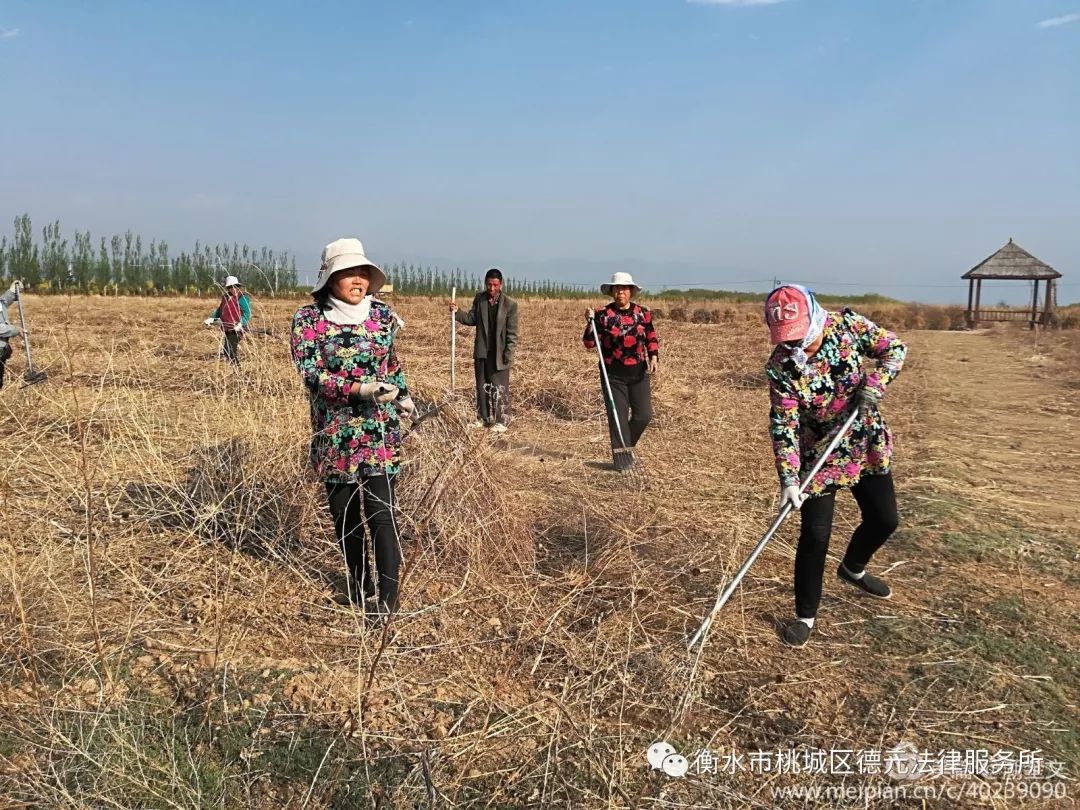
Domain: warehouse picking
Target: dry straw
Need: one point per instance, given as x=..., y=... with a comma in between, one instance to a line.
x=173, y=630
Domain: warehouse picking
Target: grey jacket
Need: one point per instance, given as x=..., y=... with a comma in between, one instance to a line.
x=7, y=329
x=506, y=329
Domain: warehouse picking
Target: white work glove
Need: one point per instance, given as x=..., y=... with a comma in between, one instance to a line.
x=791, y=495
x=868, y=398
x=407, y=407
x=379, y=392
x=209, y=321
x=239, y=329
x=15, y=286
x=590, y=314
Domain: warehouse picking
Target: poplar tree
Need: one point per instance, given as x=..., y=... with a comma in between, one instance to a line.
x=23, y=261
x=102, y=269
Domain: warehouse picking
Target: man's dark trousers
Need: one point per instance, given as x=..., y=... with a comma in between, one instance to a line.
x=492, y=392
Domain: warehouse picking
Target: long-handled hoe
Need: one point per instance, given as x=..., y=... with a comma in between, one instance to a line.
x=31, y=377
x=453, y=343
x=725, y=594
x=622, y=448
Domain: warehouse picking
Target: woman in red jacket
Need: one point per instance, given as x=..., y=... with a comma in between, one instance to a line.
x=631, y=353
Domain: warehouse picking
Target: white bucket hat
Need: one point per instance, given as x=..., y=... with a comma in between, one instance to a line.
x=619, y=280
x=342, y=254
x=232, y=281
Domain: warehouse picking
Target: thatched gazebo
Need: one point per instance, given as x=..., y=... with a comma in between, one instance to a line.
x=1012, y=263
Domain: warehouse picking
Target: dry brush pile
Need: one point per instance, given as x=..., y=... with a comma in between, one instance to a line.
x=173, y=631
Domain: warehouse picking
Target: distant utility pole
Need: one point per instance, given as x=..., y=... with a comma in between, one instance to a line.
x=775, y=282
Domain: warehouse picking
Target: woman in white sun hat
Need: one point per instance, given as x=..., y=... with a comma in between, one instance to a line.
x=631, y=353
x=343, y=345
x=233, y=315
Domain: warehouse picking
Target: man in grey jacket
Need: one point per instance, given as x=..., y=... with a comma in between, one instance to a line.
x=8, y=330
x=495, y=317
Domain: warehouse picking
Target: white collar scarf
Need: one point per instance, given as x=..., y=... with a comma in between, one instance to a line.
x=345, y=314
x=818, y=317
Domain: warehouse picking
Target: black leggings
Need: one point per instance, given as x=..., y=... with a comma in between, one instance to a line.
x=231, y=347
x=352, y=505
x=633, y=405
x=877, y=503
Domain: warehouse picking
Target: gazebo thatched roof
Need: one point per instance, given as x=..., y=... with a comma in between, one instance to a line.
x=1012, y=262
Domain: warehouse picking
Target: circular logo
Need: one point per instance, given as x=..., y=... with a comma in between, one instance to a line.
x=675, y=765
x=657, y=752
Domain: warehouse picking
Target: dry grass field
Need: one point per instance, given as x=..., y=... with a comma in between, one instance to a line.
x=173, y=634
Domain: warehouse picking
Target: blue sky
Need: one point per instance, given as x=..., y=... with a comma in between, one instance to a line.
x=873, y=144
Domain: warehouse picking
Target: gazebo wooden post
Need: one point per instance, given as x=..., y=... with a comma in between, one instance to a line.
x=1034, y=305
x=970, y=315
x=978, y=297
x=1048, y=308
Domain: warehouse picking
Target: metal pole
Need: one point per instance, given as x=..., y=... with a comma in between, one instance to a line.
x=25, y=332
x=725, y=594
x=453, y=341
x=607, y=384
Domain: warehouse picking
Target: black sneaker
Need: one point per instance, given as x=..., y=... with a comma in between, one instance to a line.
x=358, y=593
x=797, y=633
x=867, y=583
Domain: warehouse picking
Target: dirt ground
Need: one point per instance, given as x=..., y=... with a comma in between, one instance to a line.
x=173, y=632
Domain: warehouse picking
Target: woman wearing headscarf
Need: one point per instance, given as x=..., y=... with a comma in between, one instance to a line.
x=343, y=346
x=631, y=353
x=816, y=379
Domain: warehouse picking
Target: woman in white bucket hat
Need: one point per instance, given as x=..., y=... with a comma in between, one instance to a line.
x=233, y=315
x=631, y=352
x=343, y=345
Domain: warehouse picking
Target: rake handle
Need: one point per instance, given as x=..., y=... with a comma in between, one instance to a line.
x=25, y=332
x=453, y=341
x=607, y=384
x=725, y=594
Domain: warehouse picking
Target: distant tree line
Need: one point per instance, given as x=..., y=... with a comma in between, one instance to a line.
x=126, y=265
x=408, y=279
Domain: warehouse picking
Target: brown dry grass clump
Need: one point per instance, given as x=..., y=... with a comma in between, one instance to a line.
x=173, y=634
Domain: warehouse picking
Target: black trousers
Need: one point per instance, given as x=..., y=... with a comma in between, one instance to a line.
x=352, y=505
x=633, y=406
x=232, y=343
x=877, y=503
x=492, y=392
x=5, y=355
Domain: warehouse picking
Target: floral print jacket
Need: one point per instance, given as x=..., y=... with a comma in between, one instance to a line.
x=809, y=405
x=352, y=438
x=627, y=336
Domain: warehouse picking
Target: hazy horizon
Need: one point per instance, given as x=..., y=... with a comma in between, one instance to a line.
x=864, y=147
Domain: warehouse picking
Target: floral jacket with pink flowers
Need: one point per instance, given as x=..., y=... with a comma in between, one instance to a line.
x=352, y=438
x=808, y=405
x=627, y=337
